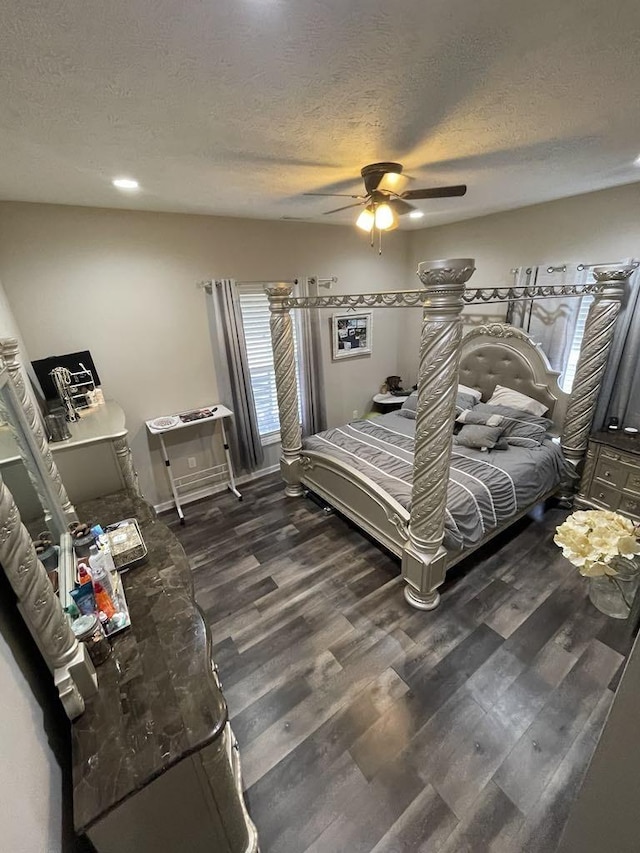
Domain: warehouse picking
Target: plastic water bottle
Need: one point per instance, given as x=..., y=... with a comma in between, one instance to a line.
x=99, y=572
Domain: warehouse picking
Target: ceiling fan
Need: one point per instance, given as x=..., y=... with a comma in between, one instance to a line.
x=386, y=197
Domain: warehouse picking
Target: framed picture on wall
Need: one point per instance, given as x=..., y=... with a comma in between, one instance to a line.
x=351, y=334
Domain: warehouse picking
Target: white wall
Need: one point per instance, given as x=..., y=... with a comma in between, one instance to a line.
x=596, y=227
x=30, y=778
x=9, y=329
x=122, y=284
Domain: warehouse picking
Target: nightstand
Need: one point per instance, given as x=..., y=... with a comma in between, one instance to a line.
x=389, y=402
x=611, y=476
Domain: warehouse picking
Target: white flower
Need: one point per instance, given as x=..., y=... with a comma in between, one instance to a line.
x=591, y=539
x=594, y=570
x=628, y=546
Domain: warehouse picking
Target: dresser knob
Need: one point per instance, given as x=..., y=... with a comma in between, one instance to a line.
x=607, y=473
x=601, y=496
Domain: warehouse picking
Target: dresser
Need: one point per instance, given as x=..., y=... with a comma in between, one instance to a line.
x=155, y=763
x=611, y=476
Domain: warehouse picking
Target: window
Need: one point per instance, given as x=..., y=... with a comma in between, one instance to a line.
x=254, y=307
x=572, y=361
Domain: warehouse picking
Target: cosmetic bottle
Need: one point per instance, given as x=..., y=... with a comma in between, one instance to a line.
x=99, y=572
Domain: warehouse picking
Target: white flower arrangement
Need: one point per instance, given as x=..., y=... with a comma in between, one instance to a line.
x=591, y=539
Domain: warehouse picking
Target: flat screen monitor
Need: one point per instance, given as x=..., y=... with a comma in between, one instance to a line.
x=72, y=361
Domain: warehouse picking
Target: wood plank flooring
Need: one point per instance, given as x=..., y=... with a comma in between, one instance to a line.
x=365, y=725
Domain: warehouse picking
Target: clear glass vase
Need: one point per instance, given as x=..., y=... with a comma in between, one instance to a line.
x=613, y=595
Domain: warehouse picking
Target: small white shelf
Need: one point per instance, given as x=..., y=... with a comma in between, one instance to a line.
x=215, y=472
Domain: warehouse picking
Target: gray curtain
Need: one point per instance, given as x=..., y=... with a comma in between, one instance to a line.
x=550, y=322
x=312, y=402
x=232, y=370
x=620, y=392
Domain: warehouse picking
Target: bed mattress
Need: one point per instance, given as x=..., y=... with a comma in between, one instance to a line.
x=485, y=488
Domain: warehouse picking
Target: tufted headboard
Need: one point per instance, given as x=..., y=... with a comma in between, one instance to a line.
x=498, y=354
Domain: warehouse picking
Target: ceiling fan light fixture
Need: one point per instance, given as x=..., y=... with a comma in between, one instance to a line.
x=385, y=218
x=366, y=219
x=392, y=182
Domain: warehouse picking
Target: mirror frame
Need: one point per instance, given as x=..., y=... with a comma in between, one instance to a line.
x=73, y=673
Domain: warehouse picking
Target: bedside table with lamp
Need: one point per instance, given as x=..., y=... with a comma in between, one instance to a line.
x=392, y=395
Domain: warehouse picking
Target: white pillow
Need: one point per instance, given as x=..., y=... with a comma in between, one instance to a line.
x=472, y=392
x=508, y=397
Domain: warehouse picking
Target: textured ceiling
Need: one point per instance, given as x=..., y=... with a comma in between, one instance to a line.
x=237, y=107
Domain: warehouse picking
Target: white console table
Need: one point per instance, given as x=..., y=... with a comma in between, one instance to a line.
x=219, y=413
x=95, y=461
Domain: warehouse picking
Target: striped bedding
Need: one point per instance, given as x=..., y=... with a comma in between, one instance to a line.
x=485, y=488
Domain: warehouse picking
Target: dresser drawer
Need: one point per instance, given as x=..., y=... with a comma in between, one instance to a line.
x=618, y=455
x=633, y=482
x=630, y=505
x=613, y=471
x=608, y=496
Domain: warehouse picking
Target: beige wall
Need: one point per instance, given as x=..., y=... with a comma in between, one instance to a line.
x=596, y=227
x=122, y=284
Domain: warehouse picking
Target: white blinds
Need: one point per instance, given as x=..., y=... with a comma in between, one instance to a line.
x=254, y=307
x=576, y=343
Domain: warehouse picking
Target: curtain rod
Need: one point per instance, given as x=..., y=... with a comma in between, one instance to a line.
x=207, y=285
x=579, y=267
x=321, y=282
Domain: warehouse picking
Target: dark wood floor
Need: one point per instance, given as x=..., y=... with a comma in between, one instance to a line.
x=367, y=725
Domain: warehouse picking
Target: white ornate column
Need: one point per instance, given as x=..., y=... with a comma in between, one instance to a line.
x=423, y=559
x=9, y=360
x=286, y=386
x=592, y=361
x=73, y=672
x=124, y=457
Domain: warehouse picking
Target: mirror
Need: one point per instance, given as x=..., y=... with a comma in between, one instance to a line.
x=23, y=470
x=22, y=438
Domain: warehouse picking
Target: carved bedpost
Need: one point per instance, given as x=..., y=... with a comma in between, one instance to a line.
x=598, y=334
x=73, y=672
x=286, y=386
x=423, y=565
x=9, y=360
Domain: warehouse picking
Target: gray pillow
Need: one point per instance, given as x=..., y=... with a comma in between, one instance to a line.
x=520, y=429
x=463, y=402
x=410, y=404
x=473, y=416
x=481, y=437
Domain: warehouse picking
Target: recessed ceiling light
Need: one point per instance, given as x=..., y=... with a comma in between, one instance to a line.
x=125, y=184
x=416, y=214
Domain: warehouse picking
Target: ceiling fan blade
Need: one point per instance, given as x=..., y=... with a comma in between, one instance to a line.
x=346, y=207
x=401, y=207
x=336, y=195
x=436, y=192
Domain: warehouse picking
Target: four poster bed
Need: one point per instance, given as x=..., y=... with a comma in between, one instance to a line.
x=404, y=481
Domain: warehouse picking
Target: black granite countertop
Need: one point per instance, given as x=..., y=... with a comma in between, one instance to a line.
x=158, y=700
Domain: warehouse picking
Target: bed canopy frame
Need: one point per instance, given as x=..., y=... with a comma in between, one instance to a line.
x=495, y=353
